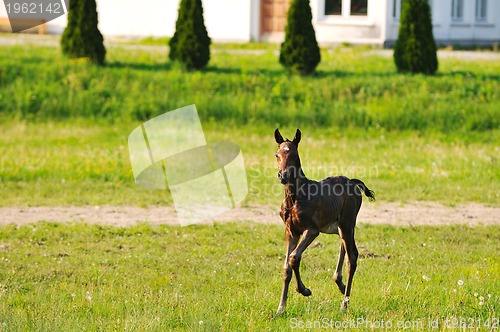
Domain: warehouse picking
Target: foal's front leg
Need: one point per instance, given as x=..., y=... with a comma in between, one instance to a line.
x=292, y=262
x=307, y=238
x=291, y=244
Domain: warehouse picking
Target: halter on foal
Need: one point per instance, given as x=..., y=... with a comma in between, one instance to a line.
x=310, y=207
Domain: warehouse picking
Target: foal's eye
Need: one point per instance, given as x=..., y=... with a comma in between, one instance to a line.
x=276, y=154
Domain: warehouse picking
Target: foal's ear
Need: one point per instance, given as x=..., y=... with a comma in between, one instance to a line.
x=296, y=139
x=277, y=136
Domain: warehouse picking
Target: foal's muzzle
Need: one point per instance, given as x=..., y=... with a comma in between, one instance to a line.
x=283, y=177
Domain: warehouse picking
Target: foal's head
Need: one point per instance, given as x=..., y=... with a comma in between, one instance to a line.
x=287, y=157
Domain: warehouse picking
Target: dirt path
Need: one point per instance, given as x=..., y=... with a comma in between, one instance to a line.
x=445, y=54
x=124, y=42
x=416, y=213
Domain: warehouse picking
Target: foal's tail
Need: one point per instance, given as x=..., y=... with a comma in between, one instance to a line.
x=369, y=193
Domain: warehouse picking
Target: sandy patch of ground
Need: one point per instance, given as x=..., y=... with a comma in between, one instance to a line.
x=408, y=214
x=446, y=54
x=124, y=42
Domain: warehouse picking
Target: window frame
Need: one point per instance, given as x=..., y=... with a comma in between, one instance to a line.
x=345, y=18
x=341, y=8
x=345, y=11
x=481, y=11
x=358, y=14
x=396, y=11
x=457, y=10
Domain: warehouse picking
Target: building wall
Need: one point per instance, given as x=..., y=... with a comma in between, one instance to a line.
x=226, y=20
x=447, y=31
x=331, y=29
x=335, y=29
x=239, y=21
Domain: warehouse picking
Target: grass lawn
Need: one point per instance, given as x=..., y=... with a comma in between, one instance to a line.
x=228, y=277
x=409, y=137
x=352, y=89
x=65, y=126
x=83, y=163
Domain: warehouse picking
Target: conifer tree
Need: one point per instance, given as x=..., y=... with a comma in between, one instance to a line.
x=81, y=37
x=190, y=44
x=415, y=49
x=300, y=51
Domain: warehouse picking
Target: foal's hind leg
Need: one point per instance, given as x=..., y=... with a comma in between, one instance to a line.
x=352, y=258
x=337, y=276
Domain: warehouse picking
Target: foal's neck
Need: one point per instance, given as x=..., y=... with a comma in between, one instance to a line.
x=296, y=185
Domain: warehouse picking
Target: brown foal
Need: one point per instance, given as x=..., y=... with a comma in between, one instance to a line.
x=329, y=206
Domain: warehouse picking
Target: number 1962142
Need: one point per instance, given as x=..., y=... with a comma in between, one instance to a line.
x=34, y=8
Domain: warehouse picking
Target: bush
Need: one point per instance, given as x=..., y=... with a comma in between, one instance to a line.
x=415, y=49
x=300, y=51
x=190, y=44
x=81, y=37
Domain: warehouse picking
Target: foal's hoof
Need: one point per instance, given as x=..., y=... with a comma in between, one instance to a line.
x=305, y=292
x=345, y=303
x=280, y=311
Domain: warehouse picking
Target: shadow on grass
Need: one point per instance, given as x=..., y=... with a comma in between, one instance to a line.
x=276, y=72
x=239, y=71
x=343, y=74
x=468, y=74
x=139, y=65
x=174, y=66
x=322, y=73
x=388, y=74
x=222, y=70
x=14, y=60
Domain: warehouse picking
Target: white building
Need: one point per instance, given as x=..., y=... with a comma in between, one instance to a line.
x=335, y=21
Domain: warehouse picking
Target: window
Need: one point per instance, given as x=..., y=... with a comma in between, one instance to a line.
x=457, y=10
x=359, y=7
x=346, y=7
x=396, y=9
x=333, y=7
x=481, y=10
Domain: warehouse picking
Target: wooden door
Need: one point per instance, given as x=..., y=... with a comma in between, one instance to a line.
x=273, y=16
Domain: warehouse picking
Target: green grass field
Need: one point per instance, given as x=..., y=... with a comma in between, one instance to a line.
x=228, y=277
x=410, y=137
x=65, y=126
x=83, y=163
x=352, y=89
